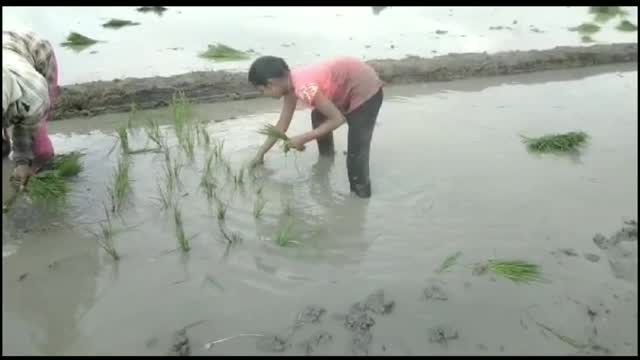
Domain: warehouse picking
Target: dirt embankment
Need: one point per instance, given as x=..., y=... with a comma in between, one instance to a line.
x=211, y=86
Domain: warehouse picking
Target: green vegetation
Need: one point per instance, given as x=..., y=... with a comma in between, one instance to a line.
x=586, y=29
x=276, y=134
x=284, y=236
x=517, y=271
x=627, y=26
x=258, y=206
x=78, y=42
x=568, y=142
x=105, y=236
x=158, y=10
x=221, y=52
x=119, y=23
x=120, y=185
x=67, y=165
x=449, y=262
x=183, y=241
x=603, y=14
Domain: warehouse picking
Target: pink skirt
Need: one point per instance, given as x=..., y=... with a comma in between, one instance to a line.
x=42, y=147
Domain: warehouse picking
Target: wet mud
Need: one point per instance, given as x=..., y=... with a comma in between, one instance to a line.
x=93, y=98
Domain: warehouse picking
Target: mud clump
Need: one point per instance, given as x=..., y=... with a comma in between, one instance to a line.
x=272, y=343
x=360, y=322
x=592, y=257
x=310, y=315
x=620, y=249
x=442, y=334
x=568, y=252
x=99, y=97
x=180, y=344
x=316, y=341
x=435, y=292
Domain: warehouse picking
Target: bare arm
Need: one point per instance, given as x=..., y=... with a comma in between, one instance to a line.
x=334, y=117
x=288, y=108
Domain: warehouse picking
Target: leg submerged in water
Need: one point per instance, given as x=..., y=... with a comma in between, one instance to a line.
x=325, y=143
x=361, y=123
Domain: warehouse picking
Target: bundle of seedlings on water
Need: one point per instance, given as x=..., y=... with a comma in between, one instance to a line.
x=586, y=28
x=284, y=236
x=278, y=135
x=158, y=10
x=105, y=236
x=119, y=23
x=606, y=13
x=518, y=271
x=68, y=165
x=258, y=206
x=120, y=185
x=627, y=26
x=183, y=241
x=449, y=262
x=221, y=52
x=556, y=143
x=78, y=41
x=47, y=186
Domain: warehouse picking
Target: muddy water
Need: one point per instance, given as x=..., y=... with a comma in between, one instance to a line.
x=449, y=174
x=169, y=44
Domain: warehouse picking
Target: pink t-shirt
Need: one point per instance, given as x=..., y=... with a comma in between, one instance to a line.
x=347, y=82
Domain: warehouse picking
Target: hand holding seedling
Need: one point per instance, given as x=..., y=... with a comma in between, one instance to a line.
x=297, y=142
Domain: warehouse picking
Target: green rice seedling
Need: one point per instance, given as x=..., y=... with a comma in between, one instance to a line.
x=603, y=14
x=78, y=42
x=221, y=52
x=152, y=129
x=568, y=142
x=232, y=238
x=627, y=26
x=67, y=165
x=284, y=236
x=119, y=23
x=181, y=112
x=172, y=168
x=518, y=271
x=132, y=117
x=287, y=208
x=121, y=184
x=238, y=179
x=183, y=241
x=208, y=181
x=123, y=135
x=278, y=135
x=106, y=235
x=259, y=206
x=449, y=262
x=219, y=148
x=188, y=142
x=165, y=194
x=586, y=28
x=204, y=137
x=587, y=39
x=563, y=338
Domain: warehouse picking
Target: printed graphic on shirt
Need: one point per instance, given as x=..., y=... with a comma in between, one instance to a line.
x=307, y=93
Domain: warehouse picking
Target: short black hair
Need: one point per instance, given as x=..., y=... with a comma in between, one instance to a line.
x=265, y=68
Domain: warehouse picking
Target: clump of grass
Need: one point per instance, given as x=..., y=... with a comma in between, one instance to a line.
x=258, y=206
x=449, y=262
x=568, y=142
x=606, y=13
x=123, y=136
x=278, y=135
x=186, y=131
x=208, y=181
x=121, y=184
x=586, y=28
x=119, y=23
x=518, y=271
x=172, y=168
x=78, y=41
x=284, y=236
x=68, y=165
x=158, y=10
x=183, y=241
x=221, y=52
x=105, y=236
x=626, y=25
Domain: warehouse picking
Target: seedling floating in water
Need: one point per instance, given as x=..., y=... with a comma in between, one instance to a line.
x=221, y=52
x=284, y=236
x=517, y=271
x=568, y=142
x=449, y=262
x=158, y=10
x=119, y=23
x=78, y=41
x=68, y=165
x=606, y=13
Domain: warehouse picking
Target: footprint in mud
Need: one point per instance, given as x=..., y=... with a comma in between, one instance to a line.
x=272, y=343
x=360, y=342
x=316, y=341
x=435, y=292
x=310, y=315
x=592, y=257
x=376, y=303
x=621, y=249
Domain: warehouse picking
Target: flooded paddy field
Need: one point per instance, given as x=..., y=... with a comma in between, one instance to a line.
x=318, y=271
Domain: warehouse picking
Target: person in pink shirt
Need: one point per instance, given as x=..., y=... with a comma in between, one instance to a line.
x=339, y=90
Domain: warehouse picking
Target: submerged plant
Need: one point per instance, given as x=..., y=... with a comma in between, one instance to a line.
x=567, y=142
x=121, y=184
x=183, y=241
x=449, y=262
x=106, y=235
x=67, y=165
x=518, y=271
x=258, y=206
x=221, y=209
x=208, y=181
x=284, y=236
x=119, y=23
x=123, y=135
x=152, y=129
x=221, y=52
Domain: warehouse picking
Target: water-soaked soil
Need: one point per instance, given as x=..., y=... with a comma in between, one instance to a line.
x=450, y=174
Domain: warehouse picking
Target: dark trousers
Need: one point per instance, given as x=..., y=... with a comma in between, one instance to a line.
x=361, y=122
